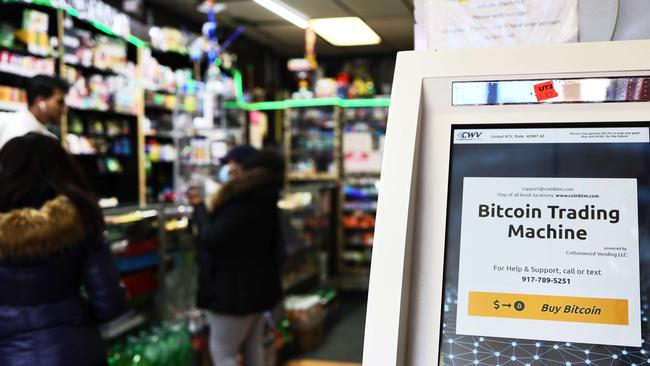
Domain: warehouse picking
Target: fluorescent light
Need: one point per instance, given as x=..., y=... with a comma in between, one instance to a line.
x=291, y=15
x=346, y=31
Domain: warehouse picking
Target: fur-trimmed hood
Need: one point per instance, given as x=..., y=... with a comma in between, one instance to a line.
x=29, y=232
x=249, y=180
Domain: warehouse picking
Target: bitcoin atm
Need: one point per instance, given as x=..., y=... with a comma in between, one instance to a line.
x=513, y=222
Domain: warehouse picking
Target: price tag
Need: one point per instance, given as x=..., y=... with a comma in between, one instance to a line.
x=545, y=91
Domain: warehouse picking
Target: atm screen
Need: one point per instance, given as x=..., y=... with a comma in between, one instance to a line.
x=547, y=257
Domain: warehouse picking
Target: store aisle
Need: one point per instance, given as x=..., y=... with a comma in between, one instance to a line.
x=344, y=342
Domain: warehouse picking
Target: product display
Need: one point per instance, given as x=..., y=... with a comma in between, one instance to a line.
x=169, y=344
x=313, y=134
x=12, y=98
x=82, y=48
x=102, y=93
x=26, y=66
x=364, y=134
x=35, y=33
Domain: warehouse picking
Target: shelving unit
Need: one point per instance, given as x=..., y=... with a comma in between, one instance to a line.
x=306, y=216
x=134, y=240
x=349, y=139
x=19, y=58
x=179, y=271
x=171, y=101
x=312, y=143
x=102, y=126
x=364, y=130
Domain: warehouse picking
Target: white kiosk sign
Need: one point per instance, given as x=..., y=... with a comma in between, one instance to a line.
x=514, y=213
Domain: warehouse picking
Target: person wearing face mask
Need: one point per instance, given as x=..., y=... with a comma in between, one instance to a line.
x=45, y=106
x=238, y=254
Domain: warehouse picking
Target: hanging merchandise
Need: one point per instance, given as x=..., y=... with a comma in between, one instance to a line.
x=489, y=23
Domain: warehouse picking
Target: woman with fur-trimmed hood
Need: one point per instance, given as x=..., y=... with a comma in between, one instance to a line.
x=239, y=269
x=50, y=247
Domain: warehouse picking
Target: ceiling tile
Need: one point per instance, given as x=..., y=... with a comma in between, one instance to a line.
x=393, y=30
x=378, y=8
x=250, y=12
x=318, y=8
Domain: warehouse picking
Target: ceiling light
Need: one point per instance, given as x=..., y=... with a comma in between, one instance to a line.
x=281, y=9
x=346, y=31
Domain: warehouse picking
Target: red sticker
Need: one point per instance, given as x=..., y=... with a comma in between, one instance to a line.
x=545, y=91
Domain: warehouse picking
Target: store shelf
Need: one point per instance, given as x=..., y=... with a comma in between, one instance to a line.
x=301, y=279
x=130, y=217
x=359, y=228
x=100, y=111
x=137, y=263
x=312, y=177
x=122, y=325
x=159, y=108
x=11, y=106
x=24, y=52
x=96, y=70
x=19, y=71
x=161, y=135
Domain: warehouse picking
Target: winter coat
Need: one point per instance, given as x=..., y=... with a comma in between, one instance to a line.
x=45, y=259
x=239, y=270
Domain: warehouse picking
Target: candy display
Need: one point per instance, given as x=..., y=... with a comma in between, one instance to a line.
x=104, y=93
x=12, y=95
x=26, y=65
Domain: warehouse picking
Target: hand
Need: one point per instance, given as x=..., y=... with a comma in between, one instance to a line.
x=194, y=196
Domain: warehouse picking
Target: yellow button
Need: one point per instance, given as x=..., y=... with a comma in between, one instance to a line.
x=554, y=308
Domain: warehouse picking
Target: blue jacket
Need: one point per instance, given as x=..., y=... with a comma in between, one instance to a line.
x=56, y=285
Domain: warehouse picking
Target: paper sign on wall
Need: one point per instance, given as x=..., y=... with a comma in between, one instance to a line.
x=550, y=259
x=493, y=23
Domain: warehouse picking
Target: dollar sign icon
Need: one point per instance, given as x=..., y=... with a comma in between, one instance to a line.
x=496, y=305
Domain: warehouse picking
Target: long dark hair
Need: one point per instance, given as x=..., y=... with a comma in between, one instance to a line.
x=35, y=168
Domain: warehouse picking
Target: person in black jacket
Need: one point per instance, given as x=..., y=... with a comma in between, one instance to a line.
x=50, y=247
x=239, y=269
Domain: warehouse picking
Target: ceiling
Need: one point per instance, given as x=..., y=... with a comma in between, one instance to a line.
x=391, y=19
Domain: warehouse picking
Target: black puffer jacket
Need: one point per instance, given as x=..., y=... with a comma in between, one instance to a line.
x=45, y=260
x=239, y=270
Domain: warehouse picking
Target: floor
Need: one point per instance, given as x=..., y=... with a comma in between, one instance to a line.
x=343, y=343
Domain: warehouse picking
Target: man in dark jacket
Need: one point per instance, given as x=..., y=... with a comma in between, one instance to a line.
x=239, y=270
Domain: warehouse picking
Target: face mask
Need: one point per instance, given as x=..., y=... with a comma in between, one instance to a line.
x=223, y=174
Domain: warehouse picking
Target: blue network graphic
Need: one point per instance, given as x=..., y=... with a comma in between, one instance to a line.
x=460, y=350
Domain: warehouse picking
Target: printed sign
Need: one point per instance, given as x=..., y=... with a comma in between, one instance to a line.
x=550, y=259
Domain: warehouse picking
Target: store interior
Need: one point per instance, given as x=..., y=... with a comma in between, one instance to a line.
x=161, y=90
